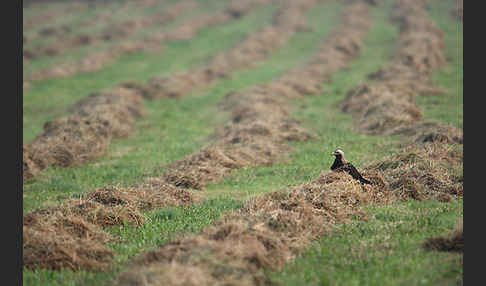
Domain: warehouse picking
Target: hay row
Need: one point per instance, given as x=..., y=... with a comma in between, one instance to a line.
x=452, y=242
x=386, y=104
x=261, y=126
x=289, y=19
x=186, y=30
x=86, y=132
x=271, y=229
x=112, y=32
x=71, y=234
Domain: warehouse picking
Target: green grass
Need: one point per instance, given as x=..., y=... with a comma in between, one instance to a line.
x=449, y=107
x=321, y=114
x=160, y=227
x=160, y=139
x=47, y=99
x=384, y=250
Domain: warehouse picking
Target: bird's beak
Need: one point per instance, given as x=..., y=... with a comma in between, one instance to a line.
x=333, y=154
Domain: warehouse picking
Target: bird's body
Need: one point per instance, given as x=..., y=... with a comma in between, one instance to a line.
x=341, y=165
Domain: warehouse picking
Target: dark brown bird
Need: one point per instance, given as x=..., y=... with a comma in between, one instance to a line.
x=340, y=164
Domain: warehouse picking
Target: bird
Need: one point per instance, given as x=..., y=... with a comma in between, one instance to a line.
x=340, y=164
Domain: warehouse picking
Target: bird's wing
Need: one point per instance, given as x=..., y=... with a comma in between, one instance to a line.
x=335, y=165
x=352, y=171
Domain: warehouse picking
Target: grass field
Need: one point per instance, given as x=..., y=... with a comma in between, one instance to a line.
x=384, y=249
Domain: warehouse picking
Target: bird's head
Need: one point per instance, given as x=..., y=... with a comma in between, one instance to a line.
x=338, y=153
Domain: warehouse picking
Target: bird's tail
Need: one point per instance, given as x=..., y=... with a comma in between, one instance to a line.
x=364, y=181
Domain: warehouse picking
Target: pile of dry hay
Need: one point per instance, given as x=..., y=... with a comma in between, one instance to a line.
x=186, y=30
x=289, y=19
x=271, y=229
x=73, y=139
x=261, y=125
x=386, y=105
x=70, y=235
x=453, y=242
